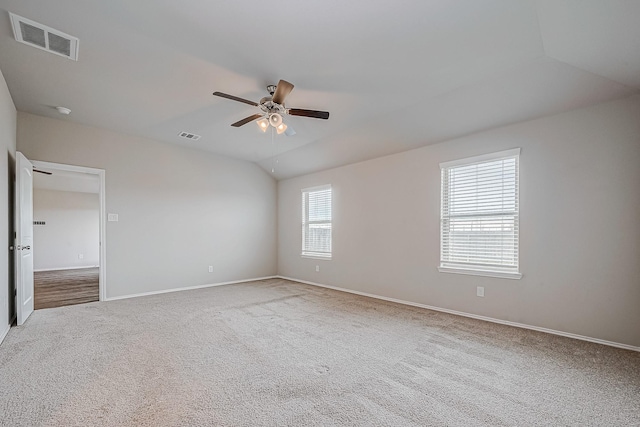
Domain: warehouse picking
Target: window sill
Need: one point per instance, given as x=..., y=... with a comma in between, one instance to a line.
x=499, y=274
x=316, y=256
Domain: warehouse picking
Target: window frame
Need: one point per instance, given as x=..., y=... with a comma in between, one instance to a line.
x=446, y=266
x=306, y=253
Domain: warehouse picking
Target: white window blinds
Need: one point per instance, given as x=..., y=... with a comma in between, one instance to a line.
x=480, y=213
x=316, y=221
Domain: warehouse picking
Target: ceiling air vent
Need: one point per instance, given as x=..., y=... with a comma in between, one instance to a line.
x=43, y=37
x=188, y=135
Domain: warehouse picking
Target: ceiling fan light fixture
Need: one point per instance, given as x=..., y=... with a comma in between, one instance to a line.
x=263, y=124
x=275, y=120
x=281, y=128
x=272, y=108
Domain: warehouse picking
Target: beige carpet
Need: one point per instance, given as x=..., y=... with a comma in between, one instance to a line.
x=276, y=353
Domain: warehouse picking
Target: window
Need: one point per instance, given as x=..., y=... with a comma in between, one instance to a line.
x=316, y=222
x=479, y=215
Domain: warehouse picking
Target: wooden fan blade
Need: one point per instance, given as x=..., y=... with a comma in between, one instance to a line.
x=246, y=120
x=283, y=89
x=235, y=98
x=309, y=113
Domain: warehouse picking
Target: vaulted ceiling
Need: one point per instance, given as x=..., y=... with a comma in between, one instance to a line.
x=395, y=75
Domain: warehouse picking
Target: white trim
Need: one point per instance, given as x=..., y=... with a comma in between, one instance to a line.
x=473, y=316
x=500, y=274
x=482, y=158
x=307, y=255
x=187, y=288
x=102, y=283
x=65, y=268
x=316, y=188
x=65, y=167
x=4, y=333
x=102, y=280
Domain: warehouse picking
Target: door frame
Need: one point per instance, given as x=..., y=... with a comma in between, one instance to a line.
x=102, y=280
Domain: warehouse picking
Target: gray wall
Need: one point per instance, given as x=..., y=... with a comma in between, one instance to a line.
x=7, y=168
x=180, y=210
x=579, y=219
x=72, y=227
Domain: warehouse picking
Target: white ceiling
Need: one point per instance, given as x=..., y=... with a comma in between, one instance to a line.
x=394, y=75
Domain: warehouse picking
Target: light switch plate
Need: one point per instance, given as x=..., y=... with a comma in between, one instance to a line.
x=112, y=217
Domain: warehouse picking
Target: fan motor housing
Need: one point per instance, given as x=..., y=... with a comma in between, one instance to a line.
x=268, y=106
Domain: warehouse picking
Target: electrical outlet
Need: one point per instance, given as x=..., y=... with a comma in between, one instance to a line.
x=112, y=217
x=317, y=268
x=211, y=269
x=80, y=256
x=480, y=291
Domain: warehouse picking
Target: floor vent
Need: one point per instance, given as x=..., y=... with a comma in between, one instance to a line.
x=188, y=135
x=43, y=37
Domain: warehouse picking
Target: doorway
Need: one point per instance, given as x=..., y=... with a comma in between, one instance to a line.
x=68, y=232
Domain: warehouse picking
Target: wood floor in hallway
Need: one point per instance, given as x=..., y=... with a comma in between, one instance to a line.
x=57, y=288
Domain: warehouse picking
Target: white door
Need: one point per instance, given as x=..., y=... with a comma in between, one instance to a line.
x=24, y=237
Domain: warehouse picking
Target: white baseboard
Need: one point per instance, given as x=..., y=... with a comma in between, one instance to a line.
x=473, y=316
x=187, y=288
x=4, y=333
x=65, y=268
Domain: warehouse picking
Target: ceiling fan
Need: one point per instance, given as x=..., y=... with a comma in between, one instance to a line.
x=273, y=109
